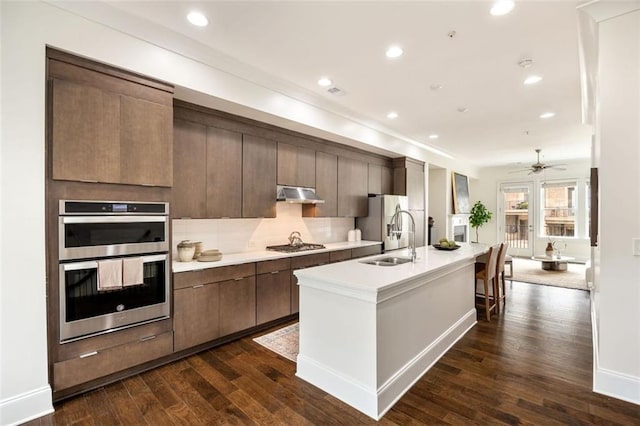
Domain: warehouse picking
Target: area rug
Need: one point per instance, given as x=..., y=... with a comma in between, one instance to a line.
x=284, y=341
x=530, y=271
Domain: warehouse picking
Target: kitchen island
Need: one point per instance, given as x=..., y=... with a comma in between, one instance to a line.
x=369, y=332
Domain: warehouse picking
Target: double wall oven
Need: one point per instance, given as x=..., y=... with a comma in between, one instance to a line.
x=113, y=265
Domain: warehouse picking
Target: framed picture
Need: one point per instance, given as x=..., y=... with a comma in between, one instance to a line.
x=460, y=193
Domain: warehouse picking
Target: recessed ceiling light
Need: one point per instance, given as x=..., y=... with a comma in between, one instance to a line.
x=197, y=19
x=547, y=114
x=435, y=86
x=433, y=136
x=324, y=82
x=392, y=115
x=532, y=79
x=502, y=7
x=463, y=109
x=394, y=52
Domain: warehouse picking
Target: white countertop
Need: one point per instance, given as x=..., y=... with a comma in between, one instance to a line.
x=257, y=256
x=369, y=281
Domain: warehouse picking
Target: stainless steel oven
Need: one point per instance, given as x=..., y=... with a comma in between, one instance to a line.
x=107, y=234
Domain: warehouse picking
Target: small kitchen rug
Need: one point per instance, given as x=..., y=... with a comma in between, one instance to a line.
x=284, y=341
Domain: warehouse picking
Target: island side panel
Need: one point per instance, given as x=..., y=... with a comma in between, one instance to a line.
x=337, y=351
x=417, y=327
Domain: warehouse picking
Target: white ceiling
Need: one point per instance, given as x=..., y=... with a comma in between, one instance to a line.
x=477, y=68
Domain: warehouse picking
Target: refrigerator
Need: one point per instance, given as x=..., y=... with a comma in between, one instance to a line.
x=377, y=225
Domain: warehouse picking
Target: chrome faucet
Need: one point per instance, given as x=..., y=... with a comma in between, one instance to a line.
x=412, y=241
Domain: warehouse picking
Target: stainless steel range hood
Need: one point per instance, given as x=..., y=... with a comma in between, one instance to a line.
x=296, y=194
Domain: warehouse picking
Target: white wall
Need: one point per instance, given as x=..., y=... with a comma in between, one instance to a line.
x=486, y=189
x=617, y=369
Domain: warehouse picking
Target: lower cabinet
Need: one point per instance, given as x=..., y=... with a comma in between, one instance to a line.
x=237, y=308
x=195, y=317
x=273, y=290
x=99, y=363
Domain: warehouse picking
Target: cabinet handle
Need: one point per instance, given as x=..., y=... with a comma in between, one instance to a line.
x=198, y=286
x=89, y=354
x=238, y=279
x=275, y=272
x=144, y=339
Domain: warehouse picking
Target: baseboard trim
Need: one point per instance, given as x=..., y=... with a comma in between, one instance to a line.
x=608, y=382
x=617, y=385
x=26, y=406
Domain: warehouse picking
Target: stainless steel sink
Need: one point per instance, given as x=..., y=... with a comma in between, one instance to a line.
x=387, y=261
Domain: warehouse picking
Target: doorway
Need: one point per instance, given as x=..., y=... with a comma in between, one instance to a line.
x=515, y=222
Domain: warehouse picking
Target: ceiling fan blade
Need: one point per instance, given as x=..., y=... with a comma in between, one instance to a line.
x=519, y=171
x=556, y=168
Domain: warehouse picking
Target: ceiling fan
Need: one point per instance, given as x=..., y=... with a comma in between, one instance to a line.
x=539, y=167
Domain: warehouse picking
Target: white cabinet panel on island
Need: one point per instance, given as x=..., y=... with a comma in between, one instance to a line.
x=368, y=332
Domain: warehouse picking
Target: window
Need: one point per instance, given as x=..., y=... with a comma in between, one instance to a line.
x=558, y=201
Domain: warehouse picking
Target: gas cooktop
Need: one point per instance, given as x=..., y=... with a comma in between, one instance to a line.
x=288, y=248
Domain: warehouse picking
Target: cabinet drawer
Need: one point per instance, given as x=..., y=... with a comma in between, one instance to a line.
x=213, y=275
x=96, y=364
x=366, y=251
x=309, y=260
x=109, y=340
x=273, y=266
x=339, y=256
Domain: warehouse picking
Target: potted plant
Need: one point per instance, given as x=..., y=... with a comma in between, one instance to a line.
x=479, y=216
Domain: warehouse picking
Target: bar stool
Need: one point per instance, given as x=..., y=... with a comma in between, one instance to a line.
x=486, y=272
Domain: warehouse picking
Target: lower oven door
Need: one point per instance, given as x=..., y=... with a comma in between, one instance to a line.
x=85, y=311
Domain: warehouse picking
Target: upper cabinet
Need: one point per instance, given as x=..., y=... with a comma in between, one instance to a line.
x=190, y=165
x=380, y=179
x=259, y=157
x=224, y=174
x=108, y=125
x=409, y=180
x=326, y=187
x=352, y=187
x=296, y=166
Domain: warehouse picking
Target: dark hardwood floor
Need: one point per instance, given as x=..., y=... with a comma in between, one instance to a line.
x=532, y=364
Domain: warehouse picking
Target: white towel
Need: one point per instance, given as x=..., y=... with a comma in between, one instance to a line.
x=109, y=275
x=132, y=271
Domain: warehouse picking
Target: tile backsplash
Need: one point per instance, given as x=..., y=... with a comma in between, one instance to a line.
x=241, y=235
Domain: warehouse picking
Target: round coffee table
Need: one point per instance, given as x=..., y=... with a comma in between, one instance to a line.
x=553, y=263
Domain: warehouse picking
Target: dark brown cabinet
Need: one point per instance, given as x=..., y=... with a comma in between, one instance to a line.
x=273, y=290
x=366, y=251
x=88, y=359
x=86, y=133
x=190, y=165
x=258, y=177
x=352, y=188
x=207, y=172
x=211, y=303
x=326, y=187
x=195, y=315
x=224, y=175
x=107, y=125
x=380, y=179
x=296, y=166
x=237, y=305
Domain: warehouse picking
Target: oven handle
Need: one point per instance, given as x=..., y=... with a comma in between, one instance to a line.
x=111, y=219
x=93, y=264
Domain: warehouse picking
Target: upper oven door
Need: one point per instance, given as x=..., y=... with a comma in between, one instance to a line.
x=83, y=237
